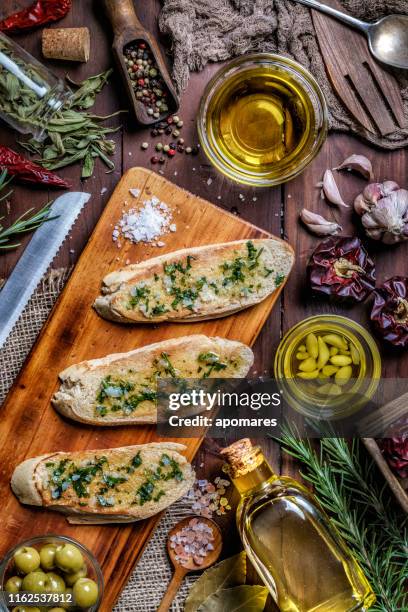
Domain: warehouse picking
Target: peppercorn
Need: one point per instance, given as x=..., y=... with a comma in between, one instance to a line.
x=154, y=159
x=180, y=148
x=181, y=141
x=171, y=152
x=188, y=150
x=180, y=124
x=159, y=146
x=176, y=118
x=176, y=133
x=168, y=130
x=172, y=145
x=169, y=120
x=154, y=132
x=194, y=151
x=161, y=160
x=145, y=145
x=166, y=148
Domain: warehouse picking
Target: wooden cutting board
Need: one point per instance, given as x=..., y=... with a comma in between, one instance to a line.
x=29, y=426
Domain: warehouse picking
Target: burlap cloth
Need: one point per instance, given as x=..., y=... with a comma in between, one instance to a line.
x=148, y=582
x=212, y=30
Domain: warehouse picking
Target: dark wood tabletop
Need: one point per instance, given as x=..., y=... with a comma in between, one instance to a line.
x=276, y=210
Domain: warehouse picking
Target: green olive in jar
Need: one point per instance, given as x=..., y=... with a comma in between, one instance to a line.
x=71, y=579
x=13, y=584
x=25, y=609
x=69, y=558
x=47, y=557
x=54, y=583
x=34, y=582
x=85, y=592
x=27, y=559
x=56, y=610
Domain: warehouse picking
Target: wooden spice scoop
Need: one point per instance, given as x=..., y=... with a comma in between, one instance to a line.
x=128, y=29
x=181, y=570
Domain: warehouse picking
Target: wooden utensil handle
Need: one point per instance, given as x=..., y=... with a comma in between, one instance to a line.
x=122, y=15
x=172, y=589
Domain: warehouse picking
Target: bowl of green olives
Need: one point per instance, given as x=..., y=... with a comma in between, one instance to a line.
x=50, y=574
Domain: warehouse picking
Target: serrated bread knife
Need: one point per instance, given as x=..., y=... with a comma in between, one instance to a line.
x=37, y=257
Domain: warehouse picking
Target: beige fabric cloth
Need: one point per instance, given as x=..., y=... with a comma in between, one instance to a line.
x=149, y=580
x=205, y=31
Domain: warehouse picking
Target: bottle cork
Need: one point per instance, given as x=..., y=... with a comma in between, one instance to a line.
x=242, y=457
x=72, y=44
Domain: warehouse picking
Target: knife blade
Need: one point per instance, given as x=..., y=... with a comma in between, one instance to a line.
x=37, y=257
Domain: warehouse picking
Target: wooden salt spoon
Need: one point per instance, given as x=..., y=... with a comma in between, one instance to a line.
x=127, y=29
x=181, y=570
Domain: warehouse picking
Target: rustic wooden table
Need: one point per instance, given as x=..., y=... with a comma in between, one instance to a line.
x=276, y=210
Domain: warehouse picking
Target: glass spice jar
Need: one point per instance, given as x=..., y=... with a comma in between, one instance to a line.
x=29, y=93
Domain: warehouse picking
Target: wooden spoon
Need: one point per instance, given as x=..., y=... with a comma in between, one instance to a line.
x=181, y=570
x=128, y=29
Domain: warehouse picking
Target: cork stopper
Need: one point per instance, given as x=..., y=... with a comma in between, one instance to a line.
x=71, y=44
x=242, y=457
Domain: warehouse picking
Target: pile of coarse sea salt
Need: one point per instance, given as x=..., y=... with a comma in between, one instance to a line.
x=146, y=224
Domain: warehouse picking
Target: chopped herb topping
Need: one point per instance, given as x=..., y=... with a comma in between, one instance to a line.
x=116, y=395
x=167, y=469
x=212, y=360
x=279, y=279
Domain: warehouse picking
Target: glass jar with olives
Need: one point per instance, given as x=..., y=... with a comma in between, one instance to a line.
x=328, y=367
x=52, y=570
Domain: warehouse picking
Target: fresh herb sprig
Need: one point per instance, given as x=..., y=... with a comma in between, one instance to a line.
x=23, y=224
x=345, y=483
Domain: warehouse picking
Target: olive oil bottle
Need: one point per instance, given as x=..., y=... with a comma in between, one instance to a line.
x=290, y=541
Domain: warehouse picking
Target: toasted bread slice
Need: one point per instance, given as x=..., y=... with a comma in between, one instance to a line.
x=121, y=389
x=196, y=284
x=118, y=485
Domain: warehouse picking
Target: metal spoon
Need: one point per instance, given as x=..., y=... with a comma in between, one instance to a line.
x=181, y=570
x=387, y=37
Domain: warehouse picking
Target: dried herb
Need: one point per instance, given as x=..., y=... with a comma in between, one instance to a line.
x=73, y=134
x=226, y=574
x=251, y=598
x=362, y=509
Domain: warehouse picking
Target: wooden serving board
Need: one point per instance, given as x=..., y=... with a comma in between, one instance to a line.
x=29, y=426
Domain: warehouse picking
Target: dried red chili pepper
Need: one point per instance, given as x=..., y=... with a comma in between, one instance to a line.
x=390, y=311
x=38, y=13
x=395, y=451
x=341, y=267
x=27, y=171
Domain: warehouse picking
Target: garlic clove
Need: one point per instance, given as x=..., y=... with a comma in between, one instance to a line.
x=319, y=225
x=331, y=191
x=360, y=164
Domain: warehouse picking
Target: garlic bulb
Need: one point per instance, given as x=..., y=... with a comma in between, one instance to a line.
x=319, y=225
x=383, y=208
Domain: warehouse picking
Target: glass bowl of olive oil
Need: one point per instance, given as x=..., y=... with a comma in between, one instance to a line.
x=262, y=119
x=328, y=367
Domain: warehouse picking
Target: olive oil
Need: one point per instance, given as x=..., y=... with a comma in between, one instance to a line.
x=290, y=541
x=261, y=120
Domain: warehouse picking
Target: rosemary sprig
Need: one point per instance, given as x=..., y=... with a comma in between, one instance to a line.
x=22, y=225
x=4, y=181
x=361, y=509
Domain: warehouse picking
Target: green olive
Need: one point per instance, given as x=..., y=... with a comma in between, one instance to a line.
x=56, y=610
x=13, y=584
x=68, y=606
x=47, y=557
x=34, y=582
x=85, y=592
x=25, y=609
x=54, y=583
x=69, y=558
x=71, y=579
x=27, y=559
